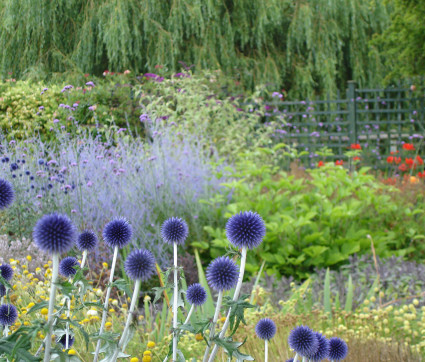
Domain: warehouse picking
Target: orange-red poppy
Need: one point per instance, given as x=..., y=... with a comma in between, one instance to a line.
x=402, y=167
x=320, y=164
x=355, y=146
x=408, y=147
x=339, y=162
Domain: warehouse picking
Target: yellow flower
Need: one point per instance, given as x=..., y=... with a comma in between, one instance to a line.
x=112, y=310
x=146, y=359
x=108, y=325
x=72, y=352
x=222, y=319
x=44, y=311
x=199, y=337
x=105, y=265
x=29, y=257
x=147, y=353
x=151, y=344
x=134, y=359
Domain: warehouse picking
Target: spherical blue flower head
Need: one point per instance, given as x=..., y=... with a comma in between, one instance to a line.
x=62, y=341
x=174, y=230
x=2, y=290
x=6, y=194
x=290, y=360
x=67, y=266
x=54, y=233
x=222, y=273
x=6, y=271
x=265, y=329
x=87, y=240
x=140, y=264
x=196, y=294
x=303, y=341
x=8, y=314
x=246, y=229
x=323, y=349
x=338, y=349
x=117, y=232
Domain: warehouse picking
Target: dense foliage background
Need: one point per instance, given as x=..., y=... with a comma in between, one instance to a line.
x=307, y=47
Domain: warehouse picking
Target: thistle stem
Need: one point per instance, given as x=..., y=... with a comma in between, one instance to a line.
x=266, y=352
x=5, y=331
x=2, y=301
x=68, y=313
x=105, y=305
x=55, y=272
x=215, y=319
x=296, y=357
x=235, y=298
x=83, y=261
x=176, y=292
x=134, y=300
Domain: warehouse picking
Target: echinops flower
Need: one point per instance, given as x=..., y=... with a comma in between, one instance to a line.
x=62, y=341
x=6, y=194
x=87, y=240
x=67, y=266
x=303, y=341
x=174, y=230
x=6, y=271
x=322, y=350
x=140, y=264
x=8, y=314
x=265, y=329
x=245, y=229
x=2, y=290
x=54, y=233
x=196, y=294
x=222, y=273
x=117, y=232
x=338, y=349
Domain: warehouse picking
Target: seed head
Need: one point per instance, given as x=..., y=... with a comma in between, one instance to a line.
x=246, y=229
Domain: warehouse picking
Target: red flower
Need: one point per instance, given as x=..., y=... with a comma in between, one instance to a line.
x=86, y=75
x=320, y=164
x=357, y=158
x=408, y=147
x=419, y=160
x=421, y=174
x=355, y=146
x=409, y=162
x=390, y=159
x=397, y=160
x=339, y=162
x=402, y=167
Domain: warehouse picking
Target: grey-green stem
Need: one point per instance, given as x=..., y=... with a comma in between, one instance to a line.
x=55, y=272
x=212, y=329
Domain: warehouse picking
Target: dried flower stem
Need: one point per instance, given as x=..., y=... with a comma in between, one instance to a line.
x=83, y=261
x=105, y=305
x=215, y=319
x=235, y=298
x=176, y=292
x=55, y=272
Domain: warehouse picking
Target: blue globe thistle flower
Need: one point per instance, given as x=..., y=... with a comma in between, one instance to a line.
x=54, y=233
x=117, y=232
x=2, y=290
x=140, y=264
x=338, y=349
x=8, y=314
x=6, y=194
x=246, y=229
x=67, y=266
x=62, y=341
x=87, y=240
x=222, y=273
x=6, y=271
x=174, y=230
x=196, y=294
x=13, y=166
x=303, y=341
x=290, y=360
x=265, y=329
x=322, y=350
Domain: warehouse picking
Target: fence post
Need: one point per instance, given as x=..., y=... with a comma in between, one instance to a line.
x=351, y=98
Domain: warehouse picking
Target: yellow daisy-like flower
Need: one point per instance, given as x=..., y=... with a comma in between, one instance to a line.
x=199, y=337
x=108, y=325
x=105, y=265
x=147, y=359
x=147, y=353
x=72, y=352
x=44, y=311
x=134, y=359
x=29, y=257
x=151, y=344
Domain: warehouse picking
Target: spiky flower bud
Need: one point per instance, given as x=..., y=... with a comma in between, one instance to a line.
x=54, y=233
x=62, y=341
x=117, y=232
x=67, y=266
x=196, y=294
x=87, y=240
x=6, y=271
x=140, y=264
x=303, y=341
x=338, y=349
x=246, y=229
x=265, y=329
x=8, y=314
x=322, y=350
x=6, y=194
x=222, y=273
x=174, y=230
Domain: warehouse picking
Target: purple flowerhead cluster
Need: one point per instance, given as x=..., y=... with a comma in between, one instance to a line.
x=62, y=341
x=316, y=347
x=265, y=329
x=222, y=273
x=140, y=264
x=117, y=233
x=8, y=314
x=245, y=229
x=6, y=271
x=54, y=233
x=87, y=240
x=67, y=266
x=196, y=294
x=174, y=230
x=6, y=194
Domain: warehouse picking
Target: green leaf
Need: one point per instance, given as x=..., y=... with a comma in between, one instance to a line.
x=327, y=292
x=349, y=298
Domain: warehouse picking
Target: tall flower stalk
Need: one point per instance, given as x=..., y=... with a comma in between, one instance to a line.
x=54, y=234
x=116, y=234
x=265, y=329
x=175, y=231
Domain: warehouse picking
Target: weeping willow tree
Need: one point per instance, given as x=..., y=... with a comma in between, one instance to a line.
x=306, y=46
